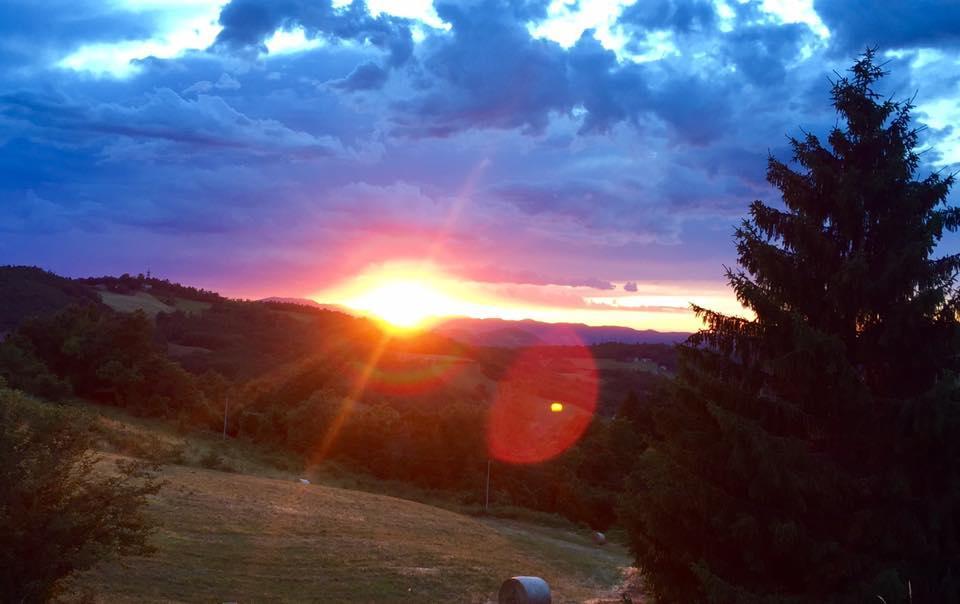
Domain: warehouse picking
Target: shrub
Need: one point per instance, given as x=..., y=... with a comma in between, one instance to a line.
x=60, y=512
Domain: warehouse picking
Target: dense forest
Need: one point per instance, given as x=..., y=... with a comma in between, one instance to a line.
x=287, y=375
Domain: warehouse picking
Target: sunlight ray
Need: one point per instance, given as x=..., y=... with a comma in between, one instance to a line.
x=347, y=403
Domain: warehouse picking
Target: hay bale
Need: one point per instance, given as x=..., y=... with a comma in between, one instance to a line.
x=524, y=590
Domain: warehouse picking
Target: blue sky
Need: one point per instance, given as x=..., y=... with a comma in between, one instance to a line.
x=588, y=159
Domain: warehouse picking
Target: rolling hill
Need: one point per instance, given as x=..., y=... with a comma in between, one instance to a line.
x=28, y=291
x=500, y=332
x=150, y=304
x=306, y=302
x=31, y=291
x=257, y=534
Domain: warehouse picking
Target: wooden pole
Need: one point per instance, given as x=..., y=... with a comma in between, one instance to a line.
x=226, y=404
x=486, y=499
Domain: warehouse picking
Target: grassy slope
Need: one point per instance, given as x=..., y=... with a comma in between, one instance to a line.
x=263, y=537
x=149, y=303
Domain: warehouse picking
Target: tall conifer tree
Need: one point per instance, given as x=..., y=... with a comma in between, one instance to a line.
x=812, y=453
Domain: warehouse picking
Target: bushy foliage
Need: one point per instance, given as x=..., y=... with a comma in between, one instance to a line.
x=244, y=340
x=160, y=288
x=434, y=444
x=59, y=511
x=27, y=291
x=22, y=369
x=812, y=453
x=102, y=355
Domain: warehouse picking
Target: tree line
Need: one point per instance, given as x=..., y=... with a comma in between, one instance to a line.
x=433, y=439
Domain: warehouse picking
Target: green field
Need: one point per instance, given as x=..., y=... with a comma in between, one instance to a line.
x=261, y=536
x=149, y=303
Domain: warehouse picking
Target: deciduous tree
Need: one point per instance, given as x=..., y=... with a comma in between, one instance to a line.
x=59, y=512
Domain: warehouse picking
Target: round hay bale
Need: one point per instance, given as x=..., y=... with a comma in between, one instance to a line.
x=524, y=590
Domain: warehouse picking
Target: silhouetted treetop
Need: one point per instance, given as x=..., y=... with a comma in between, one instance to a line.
x=811, y=452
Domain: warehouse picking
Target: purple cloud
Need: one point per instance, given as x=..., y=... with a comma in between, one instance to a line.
x=512, y=159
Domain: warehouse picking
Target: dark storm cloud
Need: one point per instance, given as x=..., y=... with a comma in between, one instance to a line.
x=681, y=16
x=207, y=121
x=602, y=206
x=31, y=26
x=699, y=109
x=368, y=76
x=488, y=72
x=608, y=91
x=892, y=24
x=524, y=161
x=762, y=53
x=248, y=23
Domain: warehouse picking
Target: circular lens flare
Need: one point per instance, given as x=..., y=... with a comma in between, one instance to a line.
x=543, y=405
x=414, y=374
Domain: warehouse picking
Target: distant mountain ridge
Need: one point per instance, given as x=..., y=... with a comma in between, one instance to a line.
x=501, y=332
x=300, y=301
x=307, y=302
x=30, y=291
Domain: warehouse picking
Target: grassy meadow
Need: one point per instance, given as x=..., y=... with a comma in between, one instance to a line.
x=251, y=532
x=149, y=303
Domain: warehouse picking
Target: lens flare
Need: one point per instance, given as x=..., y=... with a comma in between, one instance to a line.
x=414, y=374
x=527, y=422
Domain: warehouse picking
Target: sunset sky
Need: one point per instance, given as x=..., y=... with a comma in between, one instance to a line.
x=565, y=161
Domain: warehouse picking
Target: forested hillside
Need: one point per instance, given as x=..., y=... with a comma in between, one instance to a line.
x=27, y=291
x=328, y=386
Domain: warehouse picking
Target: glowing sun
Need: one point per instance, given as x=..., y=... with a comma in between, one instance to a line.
x=404, y=303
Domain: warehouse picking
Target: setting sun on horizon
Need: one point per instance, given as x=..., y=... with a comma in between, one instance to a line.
x=409, y=296
x=404, y=304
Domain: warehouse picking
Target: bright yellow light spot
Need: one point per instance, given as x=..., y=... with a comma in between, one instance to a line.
x=408, y=295
x=556, y=407
x=404, y=304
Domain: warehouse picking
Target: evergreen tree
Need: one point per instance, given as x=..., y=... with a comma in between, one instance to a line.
x=812, y=452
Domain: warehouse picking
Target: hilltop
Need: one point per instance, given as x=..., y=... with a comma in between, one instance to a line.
x=28, y=291
x=307, y=302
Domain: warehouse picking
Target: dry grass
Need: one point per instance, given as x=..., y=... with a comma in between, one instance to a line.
x=149, y=303
x=228, y=537
x=258, y=535
x=159, y=440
